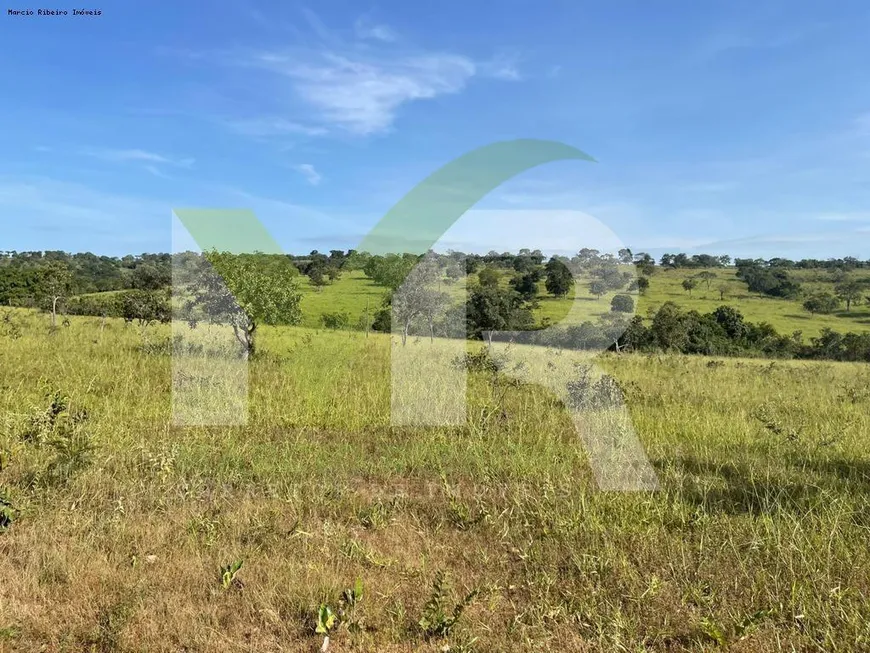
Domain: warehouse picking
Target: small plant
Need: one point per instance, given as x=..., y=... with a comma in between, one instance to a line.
x=459, y=512
x=437, y=619
x=325, y=623
x=229, y=575
x=348, y=604
x=7, y=511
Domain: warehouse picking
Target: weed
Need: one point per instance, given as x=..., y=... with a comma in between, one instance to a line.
x=229, y=575
x=438, y=619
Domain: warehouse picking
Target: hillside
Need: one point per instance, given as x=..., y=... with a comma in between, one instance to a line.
x=353, y=291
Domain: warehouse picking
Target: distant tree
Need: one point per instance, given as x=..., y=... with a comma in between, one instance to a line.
x=145, y=306
x=622, y=304
x=243, y=292
x=55, y=284
x=625, y=255
x=706, y=276
x=147, y=276
x=689, y=285
x=317, y=277
x=849, y=291
x=526, y=285
x=642, y=285
x=597, y=287
x=418, y=297
x=822, y=303
x=488, y=276
x=453, y=272
x=722, y=288
x=490, y=308
x=559, y=279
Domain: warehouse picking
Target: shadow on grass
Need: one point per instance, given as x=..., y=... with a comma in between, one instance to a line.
x=798, y=486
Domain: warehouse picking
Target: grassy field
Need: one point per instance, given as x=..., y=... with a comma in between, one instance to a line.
x=756, y=539
x=354, y=291
x=356, y=294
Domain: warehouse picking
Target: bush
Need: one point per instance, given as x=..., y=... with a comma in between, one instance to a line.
x=335, y=320
x=622, y=304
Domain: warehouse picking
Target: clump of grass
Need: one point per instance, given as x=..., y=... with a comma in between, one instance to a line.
x=438, y=619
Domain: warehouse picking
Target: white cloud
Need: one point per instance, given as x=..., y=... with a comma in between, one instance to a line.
x=273, y=126
x=138, y=156
x=307, y=170
x=366, y=30
x=363, y=95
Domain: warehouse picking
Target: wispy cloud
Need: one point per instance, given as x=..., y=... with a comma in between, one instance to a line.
x=273, y=126
x=136, y=156
x=337, y=82
x=367, y=30
x=363, y=95
x=311, y=175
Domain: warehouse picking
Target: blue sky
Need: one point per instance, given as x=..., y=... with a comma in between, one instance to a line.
x=723, y=127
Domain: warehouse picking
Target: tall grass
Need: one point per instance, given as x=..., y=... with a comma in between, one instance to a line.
x=755, y=541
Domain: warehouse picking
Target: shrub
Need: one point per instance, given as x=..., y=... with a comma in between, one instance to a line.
x=622, y=304
x=335, y=320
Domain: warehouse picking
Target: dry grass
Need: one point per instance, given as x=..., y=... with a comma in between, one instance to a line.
x=756, y=540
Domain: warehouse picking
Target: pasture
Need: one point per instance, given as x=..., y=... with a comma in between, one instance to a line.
x=124, y=533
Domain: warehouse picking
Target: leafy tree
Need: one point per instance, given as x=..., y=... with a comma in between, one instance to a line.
x=598, y=287
x=622, y=304
x=148, y=276
x=642, y=285
x=490, y=308
x=145, y=306
x=488, y=277
x=418, y=296
x=318, y=278
x=243, y=292
x=55, y=284
x=558, y=278
x=706, y=276
x=849, y=291
x=822, y=303
x=689, y=285
x=722, y=288
x=526, y=285
x=625, y=255
x=731, y=320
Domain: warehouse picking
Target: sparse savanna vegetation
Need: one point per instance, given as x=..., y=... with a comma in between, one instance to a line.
x=316, y=524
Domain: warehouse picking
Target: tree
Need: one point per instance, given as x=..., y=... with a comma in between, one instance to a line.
x=622, y=304
x=689, y=285
x=850, y=292
x=490, y=308
x=642, y=285
x=55, y=285
x=244, y=292
x=145, y=306
x=418, y=297
x=722, y=288
x=624, y=255
x=147, y=276
x=559, y=279
x=317, y=278
x=488, y=277
x=822, y=303
x=706, y=276
x=598, y=287
x=526, y=285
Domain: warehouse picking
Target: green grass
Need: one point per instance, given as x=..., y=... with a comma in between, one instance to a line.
x=755, y=541
x=354, y=293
